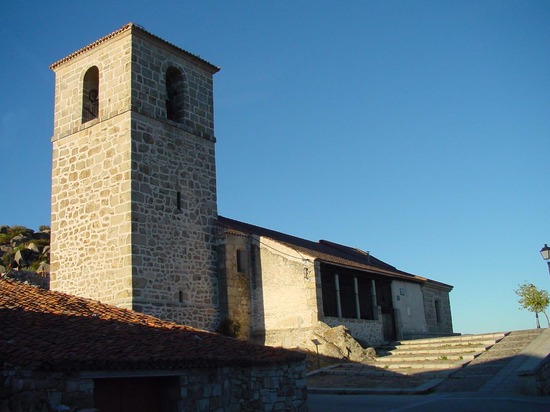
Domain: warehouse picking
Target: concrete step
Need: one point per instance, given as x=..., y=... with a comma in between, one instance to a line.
x=434, y=365
x=362, y=370
x=440, y=356
x=446, y=344
x=443, y=353
x=441, y=349
x=452, y=340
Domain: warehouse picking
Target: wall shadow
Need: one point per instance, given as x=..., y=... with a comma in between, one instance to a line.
x=257, y=315
x=486, y=376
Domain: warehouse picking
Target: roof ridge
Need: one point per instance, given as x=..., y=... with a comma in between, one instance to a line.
x=325, y=251
x=343, y=247
x=92, y=45
x=126, y=27
x=251, y=227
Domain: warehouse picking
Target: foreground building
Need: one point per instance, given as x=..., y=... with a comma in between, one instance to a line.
x=58, y=349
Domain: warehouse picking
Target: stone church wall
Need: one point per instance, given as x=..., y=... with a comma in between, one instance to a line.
x=113, y=59
x=91, y=190
x=150, y=61
x=235, y=269
x=284, y=297
x=437, y=308
x=173, y=251
x=174, y=204
x=408, y=301
x=271, y=294
x=133, y=192
x=91, y=227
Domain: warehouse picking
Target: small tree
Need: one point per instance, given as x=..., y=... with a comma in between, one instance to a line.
x=534, y=300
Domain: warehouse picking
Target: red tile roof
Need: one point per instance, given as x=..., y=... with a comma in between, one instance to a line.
x=49, y=330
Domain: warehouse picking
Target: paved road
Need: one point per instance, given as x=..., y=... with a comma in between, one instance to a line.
x=447, y=402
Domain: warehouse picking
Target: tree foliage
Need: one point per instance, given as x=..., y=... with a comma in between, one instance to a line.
x=533, y=299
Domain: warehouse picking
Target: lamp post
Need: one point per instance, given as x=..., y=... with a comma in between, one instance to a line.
x=545, y=252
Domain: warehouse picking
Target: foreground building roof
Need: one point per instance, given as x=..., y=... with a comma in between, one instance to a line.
x=325, y=251
x=48, y=330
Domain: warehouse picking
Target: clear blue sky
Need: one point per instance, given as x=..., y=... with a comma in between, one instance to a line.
x=417, y=130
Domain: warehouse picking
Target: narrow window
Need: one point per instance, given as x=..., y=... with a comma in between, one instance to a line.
x=178, y=200
x=437, y=310
x=241, y=264
x=175, y=94
x=347, y=296
x=328, y=289
x=365, y=298
x=90, y=95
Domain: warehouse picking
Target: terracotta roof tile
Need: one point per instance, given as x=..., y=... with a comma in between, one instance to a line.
x=51, y=330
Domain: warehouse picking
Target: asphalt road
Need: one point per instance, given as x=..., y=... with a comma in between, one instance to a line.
x=446, y=402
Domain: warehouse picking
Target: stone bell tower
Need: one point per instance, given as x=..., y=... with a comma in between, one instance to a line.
x=133, y=178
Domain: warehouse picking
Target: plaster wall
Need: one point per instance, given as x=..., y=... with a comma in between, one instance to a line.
x=409, y=301
x=285, y=300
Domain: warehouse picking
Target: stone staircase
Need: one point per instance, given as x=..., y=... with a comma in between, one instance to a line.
x=489, y=364
x=435, y=354
x=466, y=363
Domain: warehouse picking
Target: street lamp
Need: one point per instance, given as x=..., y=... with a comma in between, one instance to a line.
x=545, y=252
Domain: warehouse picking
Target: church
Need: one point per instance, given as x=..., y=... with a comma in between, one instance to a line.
x=135, y=224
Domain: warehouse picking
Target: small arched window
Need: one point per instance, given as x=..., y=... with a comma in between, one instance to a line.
x=90, y=95
x=175, y=94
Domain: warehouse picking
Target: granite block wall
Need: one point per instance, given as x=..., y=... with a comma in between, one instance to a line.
x=134, y=203
x=256, y=388
x=437, y=309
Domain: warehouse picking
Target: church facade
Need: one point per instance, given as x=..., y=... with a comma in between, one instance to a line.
x=135, y=222
x=282, y=290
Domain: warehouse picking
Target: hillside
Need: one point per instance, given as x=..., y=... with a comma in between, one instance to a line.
x=23, y=249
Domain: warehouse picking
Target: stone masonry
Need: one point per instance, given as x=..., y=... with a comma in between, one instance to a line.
x=235, y=285
x=437, y=307
x=134, y=190
x=260, y=388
